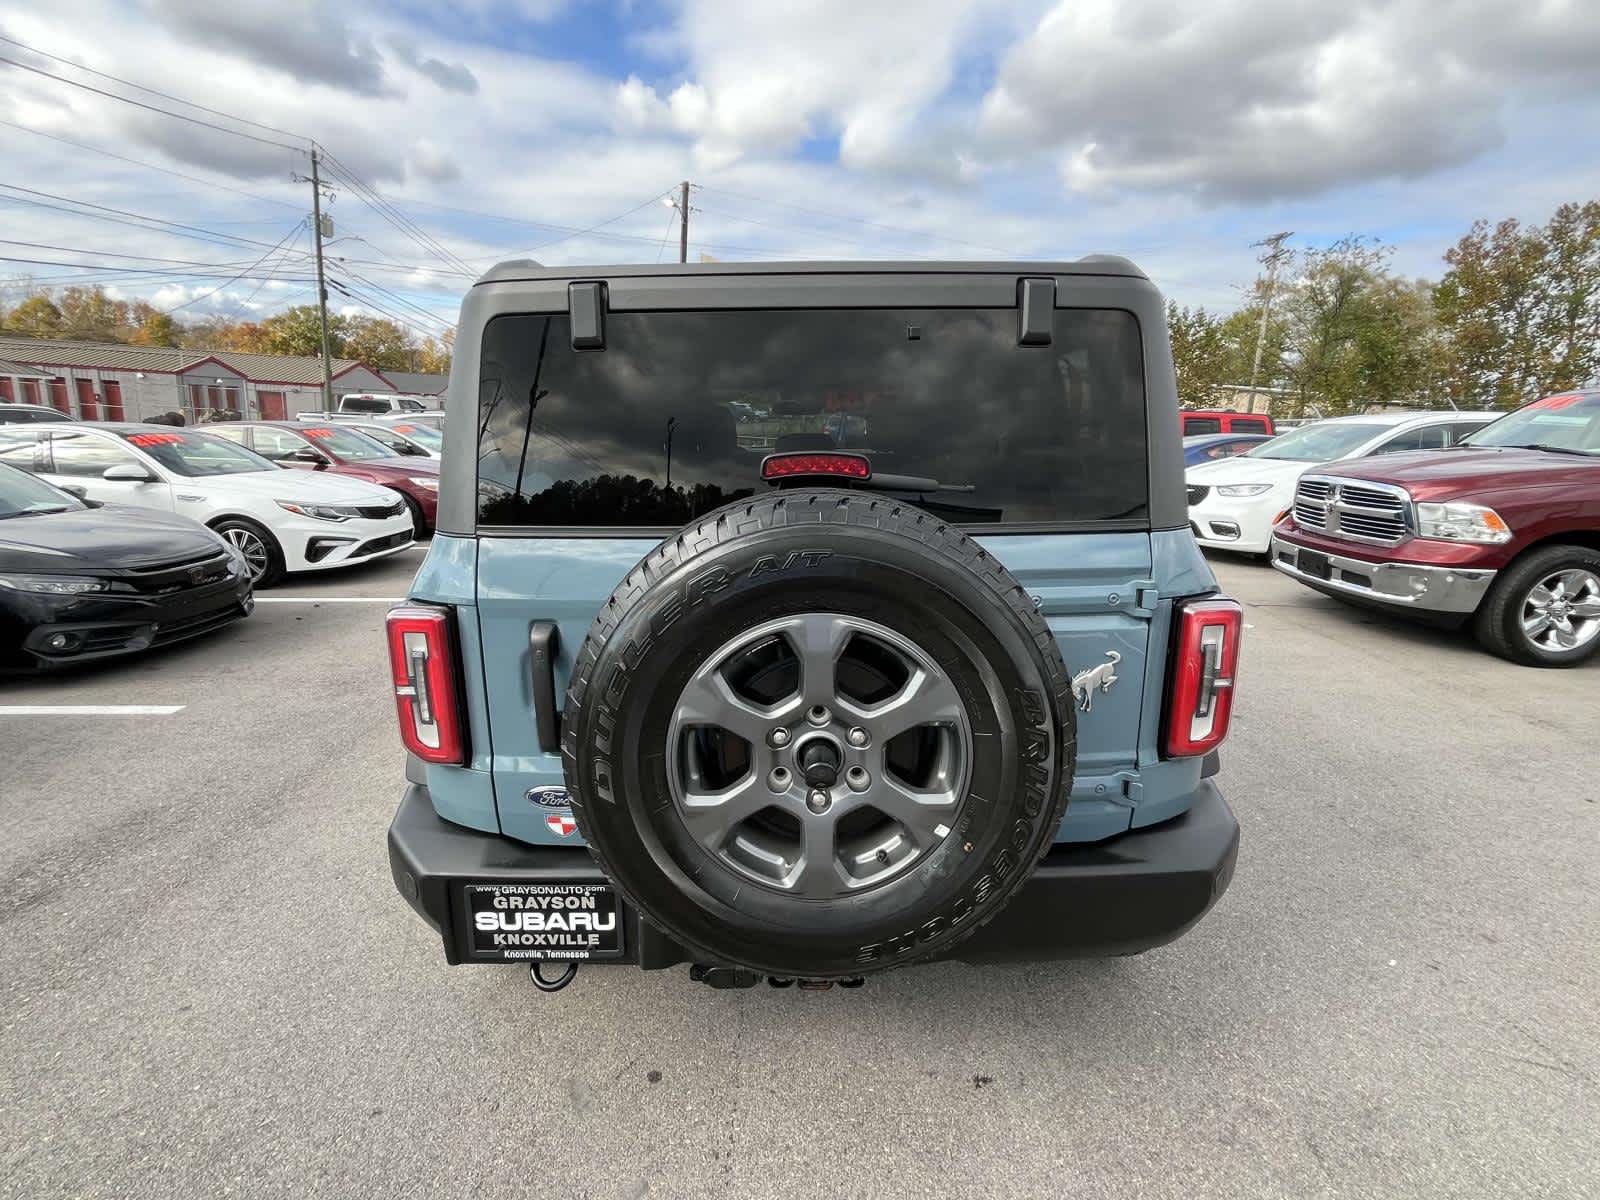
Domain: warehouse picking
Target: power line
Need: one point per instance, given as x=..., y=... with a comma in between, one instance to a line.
x=393, y=215
x=294, y=229
x=51, y=262
x=181, y=262
x=397, y=298
x=166, y=112
x=149, y=91
x=573, y=232
x=147, y=165
x=209, y=234
x=369, y=302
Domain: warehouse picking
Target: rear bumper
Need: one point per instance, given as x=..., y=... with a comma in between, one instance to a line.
x=1412, y=587
x=1123, y=896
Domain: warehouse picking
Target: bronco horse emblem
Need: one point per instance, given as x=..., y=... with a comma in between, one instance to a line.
x=1095, y=679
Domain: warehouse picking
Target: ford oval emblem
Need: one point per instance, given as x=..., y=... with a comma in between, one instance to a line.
x=549, y=796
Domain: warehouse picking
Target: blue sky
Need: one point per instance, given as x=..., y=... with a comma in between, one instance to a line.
x=466, y=131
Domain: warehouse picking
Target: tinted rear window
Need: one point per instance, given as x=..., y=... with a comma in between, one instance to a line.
x=673, y=418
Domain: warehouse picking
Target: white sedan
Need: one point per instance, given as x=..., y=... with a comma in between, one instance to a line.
x=278, y=520
x=1235, y=502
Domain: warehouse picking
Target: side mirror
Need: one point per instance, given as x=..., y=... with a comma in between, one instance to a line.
x=75, y=489
x=127, y=473
x=306, y=456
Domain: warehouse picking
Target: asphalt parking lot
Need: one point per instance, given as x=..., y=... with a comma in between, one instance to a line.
x=208, y=985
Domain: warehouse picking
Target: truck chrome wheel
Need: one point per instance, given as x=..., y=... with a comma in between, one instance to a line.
x=1561, y=613
x=819, y=754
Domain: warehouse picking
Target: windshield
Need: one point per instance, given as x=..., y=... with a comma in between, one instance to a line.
x=346, y=443
x=196, y=454
x=1317, y=443
x=1554, y=423
x=678, y=414
x=423, y=435
x=23, y=495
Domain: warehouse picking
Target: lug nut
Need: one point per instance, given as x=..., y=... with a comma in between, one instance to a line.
x=817, y=801
x=818, y=715
x=858, y=779
x=857, y=737
x=778, y=780
x=778, y=738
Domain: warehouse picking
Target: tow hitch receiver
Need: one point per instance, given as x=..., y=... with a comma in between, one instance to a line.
x=740, y=977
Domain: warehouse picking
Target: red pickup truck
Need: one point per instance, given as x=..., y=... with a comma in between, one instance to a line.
x=1502, y=530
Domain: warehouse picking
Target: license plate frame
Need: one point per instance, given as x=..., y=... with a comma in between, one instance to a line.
x=543, y=921
x=1318, y=566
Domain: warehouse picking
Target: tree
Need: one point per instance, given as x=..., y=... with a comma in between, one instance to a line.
x=37, y=316
x=1520, y=308
x=1210, y=352
x=90, y=315
x=152, y=327
x=297, y=331
x=433, y=356
x=378, y=343
x=1356, y=335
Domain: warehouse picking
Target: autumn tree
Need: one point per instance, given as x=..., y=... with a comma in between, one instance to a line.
x=151, y=326
x=38, y=316
x=1520, y=308
x=378, y=343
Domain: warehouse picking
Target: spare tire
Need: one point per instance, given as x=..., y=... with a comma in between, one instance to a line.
x=819, y=734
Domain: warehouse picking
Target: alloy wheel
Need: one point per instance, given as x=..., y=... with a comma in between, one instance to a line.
x=249, y=544
x=819, y=754
x=1561, y=613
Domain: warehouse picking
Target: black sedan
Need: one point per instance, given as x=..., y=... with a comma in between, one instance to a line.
x=81, y=581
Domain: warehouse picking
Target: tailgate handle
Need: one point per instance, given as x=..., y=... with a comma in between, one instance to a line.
x=544, y=639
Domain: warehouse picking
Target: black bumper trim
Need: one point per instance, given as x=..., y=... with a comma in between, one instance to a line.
x=1123, y=896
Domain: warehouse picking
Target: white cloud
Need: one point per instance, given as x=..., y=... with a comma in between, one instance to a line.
x=1247, y=101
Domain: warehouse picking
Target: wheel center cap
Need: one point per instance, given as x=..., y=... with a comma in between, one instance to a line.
x=819, y=760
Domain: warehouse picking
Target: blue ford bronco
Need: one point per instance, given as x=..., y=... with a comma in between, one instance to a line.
x=801, y=621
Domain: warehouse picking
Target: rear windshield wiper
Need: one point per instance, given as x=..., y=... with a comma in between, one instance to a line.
x=911, y=483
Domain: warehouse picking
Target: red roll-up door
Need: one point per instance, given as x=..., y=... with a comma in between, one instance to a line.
x=5, y=390
x=30, y=391
x=113, y=398
x=88, y=405
x=273, y=407
x=58, y=396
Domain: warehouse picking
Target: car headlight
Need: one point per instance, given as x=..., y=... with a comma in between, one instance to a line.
x=1243, y=489
x=431, y=482
x=322, y=512
x=59, y=585
x=1458, y=521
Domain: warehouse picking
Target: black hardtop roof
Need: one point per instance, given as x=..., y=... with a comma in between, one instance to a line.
x=1091, y=264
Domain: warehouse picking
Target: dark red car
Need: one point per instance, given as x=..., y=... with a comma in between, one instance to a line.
x=1502, y=530
x=342, y=451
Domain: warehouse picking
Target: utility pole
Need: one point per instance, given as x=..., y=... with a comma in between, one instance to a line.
x=322, y=284
x=1272, y=259
x=683, y=227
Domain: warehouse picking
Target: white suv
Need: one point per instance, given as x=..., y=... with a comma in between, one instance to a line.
x=279, y=520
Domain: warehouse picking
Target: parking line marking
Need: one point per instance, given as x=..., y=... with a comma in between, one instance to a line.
x=90, y=710
x=329, y=599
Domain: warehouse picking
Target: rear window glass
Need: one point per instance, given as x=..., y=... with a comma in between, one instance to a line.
x=674, y=417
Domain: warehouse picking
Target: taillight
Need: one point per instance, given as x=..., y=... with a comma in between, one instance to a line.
x=1200, y=692
x=796, y=463
x=422, y=663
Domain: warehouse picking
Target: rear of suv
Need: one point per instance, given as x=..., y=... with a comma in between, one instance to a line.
x=846, y=614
